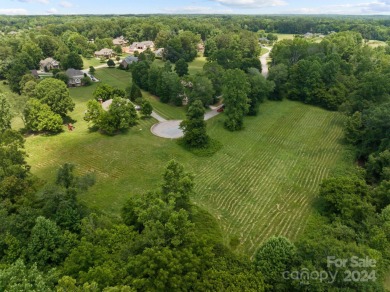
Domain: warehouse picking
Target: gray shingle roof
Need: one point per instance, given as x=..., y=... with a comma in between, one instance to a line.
x=73, y=72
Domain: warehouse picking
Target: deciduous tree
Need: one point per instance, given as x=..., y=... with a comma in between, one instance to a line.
x=55, y=94
x=194, y=127
x=235, y=95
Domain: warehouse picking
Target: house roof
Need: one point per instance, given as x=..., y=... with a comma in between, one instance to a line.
x=119, y=40
x=104, y=51
x=142, y=44
x=74, y=73
x=130, y=59
x=48, y=61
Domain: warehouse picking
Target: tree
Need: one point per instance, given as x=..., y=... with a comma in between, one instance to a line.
x=15, y=73
x=38, y=117
x=110, y=63
x=5, y=114
x=214, y=71
x=103, y=92
x=181, y=67
x=347, y=199
x=177, y=185
x=146, y=108
x=260, y=89
x=19, y=277
x=44, y=244
x=120, y=116
x=48, y=45
x=94, y=113
x=34, y=51
x=135, y=92
x=140, y=74
x=235, y=92
x=86, y=81
x=63, y=77
x=92, y=70
x=170, y=89
x=273, y=258
x=55, y=94
x=73, y=60
x=154, y=75
x=201, y=89
x=279, y=74
x=28, y=89
x=118, y=50
x=147, y=55
x=194, y=127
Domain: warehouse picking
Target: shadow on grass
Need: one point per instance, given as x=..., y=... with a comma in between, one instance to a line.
x=213, y=147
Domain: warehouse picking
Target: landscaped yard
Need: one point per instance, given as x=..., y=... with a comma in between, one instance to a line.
x=284, y=36
x=91, y=62
x=194, y=67
x=261, y=183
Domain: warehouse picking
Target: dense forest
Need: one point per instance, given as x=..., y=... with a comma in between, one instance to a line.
x=50, y=241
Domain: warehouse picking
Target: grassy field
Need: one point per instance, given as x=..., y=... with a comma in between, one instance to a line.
x=261, y=183
x=285, y=36
x=122, y=79
x=91, y=62
x=263, y=51
x=375, y=44
x=96, y=61
x=194, y=67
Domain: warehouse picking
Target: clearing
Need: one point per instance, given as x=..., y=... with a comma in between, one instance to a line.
x=261, y=183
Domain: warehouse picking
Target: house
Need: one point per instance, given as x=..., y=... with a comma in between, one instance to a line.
x=105, y=53
x=159, y=53
x=128, y=61
x=141, y=46
x=120, y=41
x=75, y=77
x=308, y=35
x=49, y=64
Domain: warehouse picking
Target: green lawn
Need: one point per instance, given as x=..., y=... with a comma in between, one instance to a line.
x=91, y=62
x=114, y=77
x=194, y=67
x=263, y=51
x=165, y=110
x=122, y=79
x=375, y=44
x=261, y=183
x=285, y=36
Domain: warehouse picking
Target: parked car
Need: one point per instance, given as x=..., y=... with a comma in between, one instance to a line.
x=137, y=107
x=221, y=108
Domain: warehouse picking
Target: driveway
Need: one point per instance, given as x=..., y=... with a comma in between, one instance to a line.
x=168, y=129
x=171, y=128
x=264, y=62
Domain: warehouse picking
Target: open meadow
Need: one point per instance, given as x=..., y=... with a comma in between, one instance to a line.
x=261, y=183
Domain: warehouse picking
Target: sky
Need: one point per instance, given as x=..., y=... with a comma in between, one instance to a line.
x=46, y=7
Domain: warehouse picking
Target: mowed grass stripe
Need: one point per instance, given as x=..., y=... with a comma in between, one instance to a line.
x=271, y=172
x=261, y=183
